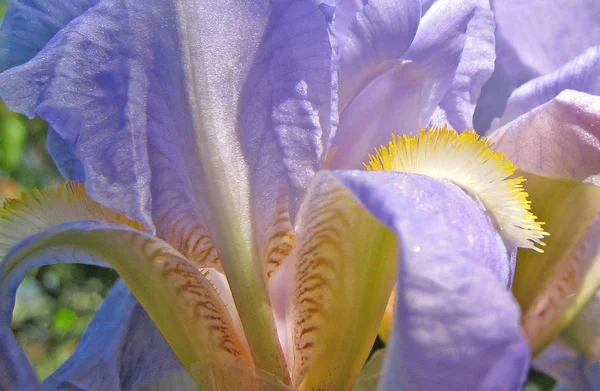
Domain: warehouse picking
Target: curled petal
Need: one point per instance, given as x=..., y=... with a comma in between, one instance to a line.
x=560, y=139
x=369, y=34
x=454, y=44
x=390, y=103
x=563, y=30
x=29, y=24
x=580, y=74
x=456, y=325
x=61, y=225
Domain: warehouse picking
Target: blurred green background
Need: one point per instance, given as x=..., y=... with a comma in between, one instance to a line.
x=55, y=303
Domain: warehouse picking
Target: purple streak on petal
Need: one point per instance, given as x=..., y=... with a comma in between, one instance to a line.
x=525, y=50
x=581, y=74
x=29, y=24
x=475, y=67
x=457, y=326
x=390, y=103
x=573, y=371
x=122, y=349
x=559, y=139
x=456, y=63
x=381, y=30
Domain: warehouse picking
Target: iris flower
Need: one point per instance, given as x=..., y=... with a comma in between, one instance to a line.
x=201, y=131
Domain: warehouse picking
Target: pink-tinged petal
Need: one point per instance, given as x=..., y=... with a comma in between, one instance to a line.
x=581, y=74
x=573, y=371
x=390, y=103
x=454, y=45
x=534, y=38
x=559, y=139
x=371, y=33
x=457, y=327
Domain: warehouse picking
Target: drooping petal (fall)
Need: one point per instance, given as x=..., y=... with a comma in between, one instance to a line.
x=345, y=263
x=60, y=225
x=456, y=324
x=121, y=350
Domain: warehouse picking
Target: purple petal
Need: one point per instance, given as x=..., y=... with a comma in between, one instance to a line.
x=559, y=139
x=368, y=35
x=29, y=24
x=581, y=74
x=68, y=165
x=525, y=50
x=475, y=67
x=16, y=373
x=122, y=349
x=390, y=103
x=572, y=370
x=454, y=44
x=172, y=123
x=562, y=30
x=457, y=325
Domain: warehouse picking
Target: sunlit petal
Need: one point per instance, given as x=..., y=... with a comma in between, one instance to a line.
x=560, y=139
x=371, y=33
x=454, y=44
x=580, y=74
x=390, y=103
x=534, y=38
x=192, y=124
x=457, y=327
x=583, y=333
x=557, y=146
x=182, y=302
x=345, y=267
